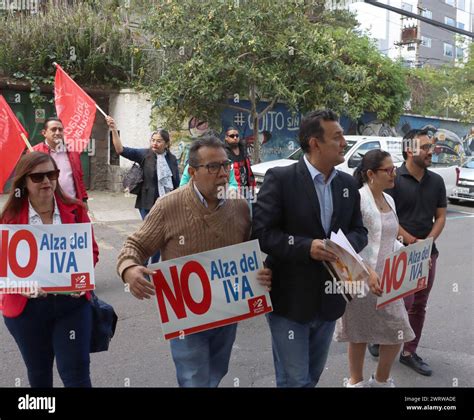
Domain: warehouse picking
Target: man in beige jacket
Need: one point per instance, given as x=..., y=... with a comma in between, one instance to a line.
x=192, y=219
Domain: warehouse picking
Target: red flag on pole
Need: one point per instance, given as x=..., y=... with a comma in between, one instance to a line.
x=12, y=141
x=75, y=108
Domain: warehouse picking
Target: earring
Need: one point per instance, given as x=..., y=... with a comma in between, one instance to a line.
x=372, y=181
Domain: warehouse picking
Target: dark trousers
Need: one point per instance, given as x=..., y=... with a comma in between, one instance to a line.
x=416, y=307
x=155, y=258
x=55, y=326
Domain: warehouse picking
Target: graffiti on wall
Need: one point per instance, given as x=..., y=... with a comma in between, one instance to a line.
x=278, y=129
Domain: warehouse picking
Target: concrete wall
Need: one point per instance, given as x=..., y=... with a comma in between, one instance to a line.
x=131, y=111
x=99, y=153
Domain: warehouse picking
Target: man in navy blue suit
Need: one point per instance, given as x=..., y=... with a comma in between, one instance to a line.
x=297, y=208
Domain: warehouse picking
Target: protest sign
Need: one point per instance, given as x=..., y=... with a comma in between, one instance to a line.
x=55, y=258
x=405, y=272
x=208, y=290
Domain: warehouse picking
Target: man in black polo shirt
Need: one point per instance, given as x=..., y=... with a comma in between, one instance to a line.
x=420, y=198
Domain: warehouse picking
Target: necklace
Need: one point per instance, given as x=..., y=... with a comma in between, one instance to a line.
x=380, y=206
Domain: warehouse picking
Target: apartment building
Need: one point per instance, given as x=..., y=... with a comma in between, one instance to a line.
x=418, y=43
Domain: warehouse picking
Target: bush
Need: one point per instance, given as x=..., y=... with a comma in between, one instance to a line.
x=92, y=45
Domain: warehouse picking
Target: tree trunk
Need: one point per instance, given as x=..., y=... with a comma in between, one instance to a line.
x=254, y=117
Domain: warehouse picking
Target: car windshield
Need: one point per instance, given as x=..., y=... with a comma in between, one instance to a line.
x=298, y=153
x=469, y=164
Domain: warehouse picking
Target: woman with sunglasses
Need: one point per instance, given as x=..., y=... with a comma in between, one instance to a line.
x=42, y=323
x=160, y=169
x=362, y=323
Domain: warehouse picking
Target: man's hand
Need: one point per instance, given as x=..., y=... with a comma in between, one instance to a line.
x=140, y=287
x=320, y=253
x=264, y=277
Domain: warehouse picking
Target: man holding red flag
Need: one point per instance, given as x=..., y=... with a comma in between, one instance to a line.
x=71, y=176
x=67, y=136
x=11, y=142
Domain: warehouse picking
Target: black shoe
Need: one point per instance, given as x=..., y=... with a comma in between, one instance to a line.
x=374, y=350
x=416, y=363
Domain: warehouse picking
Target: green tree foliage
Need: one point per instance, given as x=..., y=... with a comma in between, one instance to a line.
x=291, y=51
x=462, y=100
x=92, y=44
x=445, y=91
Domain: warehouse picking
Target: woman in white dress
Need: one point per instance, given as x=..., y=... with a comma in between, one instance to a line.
x=362, y=323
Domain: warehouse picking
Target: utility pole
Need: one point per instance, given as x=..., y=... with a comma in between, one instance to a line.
x=418, y=37
x=422, y=18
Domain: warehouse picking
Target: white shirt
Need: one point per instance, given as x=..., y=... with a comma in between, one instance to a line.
x=203, y=200
x=35, y=219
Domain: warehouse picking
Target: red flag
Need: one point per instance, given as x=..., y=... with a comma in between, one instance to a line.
x=75, y=108
x=11, y=143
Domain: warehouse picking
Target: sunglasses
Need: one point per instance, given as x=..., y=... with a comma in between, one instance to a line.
x=39, y=176
x=390, y=171
x=233, y=136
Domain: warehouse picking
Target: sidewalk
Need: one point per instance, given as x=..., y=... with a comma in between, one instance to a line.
x=106, y=206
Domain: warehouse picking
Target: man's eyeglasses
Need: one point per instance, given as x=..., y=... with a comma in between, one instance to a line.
x=428, y=147
x=233, y=136
x=390, y=171
x=39, y=176
x=214, y=167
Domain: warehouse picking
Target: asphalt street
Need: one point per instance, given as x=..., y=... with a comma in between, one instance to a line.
x=140, y=357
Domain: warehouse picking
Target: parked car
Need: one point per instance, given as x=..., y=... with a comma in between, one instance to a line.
x=464, y=189
x=445, y=160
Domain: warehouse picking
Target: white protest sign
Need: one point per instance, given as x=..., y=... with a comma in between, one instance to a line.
x=405, y=272
x=209, y=290
x=56, y=258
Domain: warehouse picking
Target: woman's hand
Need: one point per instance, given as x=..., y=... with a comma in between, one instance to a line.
x=264, y=277
x=374, y=284
x=34, y=293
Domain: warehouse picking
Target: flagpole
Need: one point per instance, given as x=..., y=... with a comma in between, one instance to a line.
x=100, y=110
x=26, y=142
x=97, y=106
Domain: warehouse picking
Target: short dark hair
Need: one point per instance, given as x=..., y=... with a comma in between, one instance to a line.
x=205, y=141
x=231, y=127
x=48, y=120
x=371, y=160
x=311, y=126
x=410, y=136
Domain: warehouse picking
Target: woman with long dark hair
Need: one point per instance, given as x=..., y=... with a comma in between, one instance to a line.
x=160, y=169
x=362, y=323
x=41, y=323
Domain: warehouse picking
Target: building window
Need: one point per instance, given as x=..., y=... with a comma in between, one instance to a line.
x=407, y=7
x=427, y=13
x=460, y=25
x=426, y=42
x=448, y=50
x=449, y=21
x=460, y=53
x=449, y=2
x=462, y=4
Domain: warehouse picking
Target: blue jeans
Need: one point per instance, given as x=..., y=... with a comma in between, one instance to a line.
x=55, y=326
x=202, y=359
x=155, y=258
x=300, y=350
